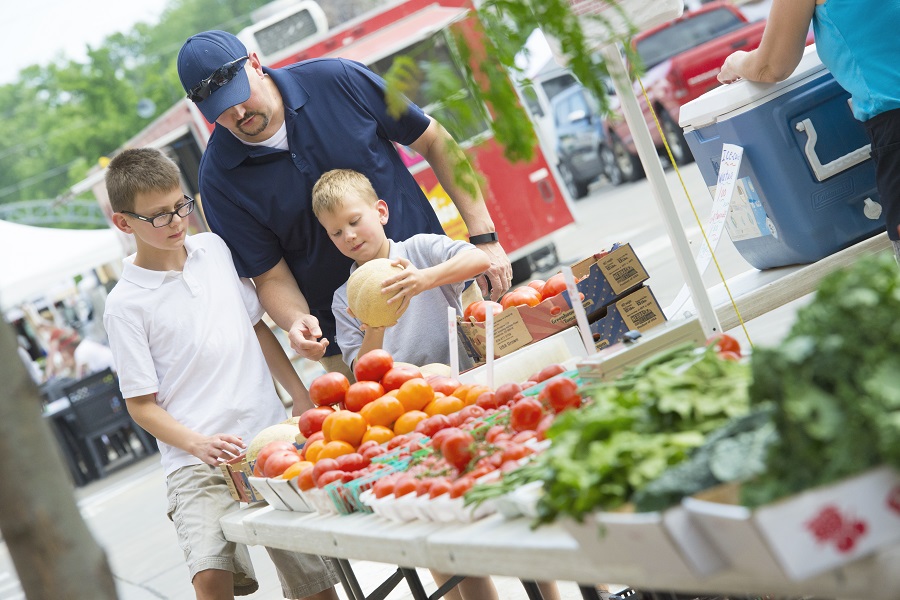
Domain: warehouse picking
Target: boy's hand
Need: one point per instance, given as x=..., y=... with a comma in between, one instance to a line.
x=403, y=286
x=305, y=337
x=218, y=448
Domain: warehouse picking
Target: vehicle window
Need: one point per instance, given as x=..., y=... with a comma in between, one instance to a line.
x=579, y=102
x=531, y=101
x=687, y=34
x=552, y=87
x=435, y=51
x=563, y=108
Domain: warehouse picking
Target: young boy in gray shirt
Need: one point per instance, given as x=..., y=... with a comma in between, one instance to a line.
x=435, y=269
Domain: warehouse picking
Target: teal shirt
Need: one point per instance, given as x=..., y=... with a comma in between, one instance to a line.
x=859, y=42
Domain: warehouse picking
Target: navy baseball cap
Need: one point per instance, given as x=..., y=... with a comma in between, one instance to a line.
x=201, y=56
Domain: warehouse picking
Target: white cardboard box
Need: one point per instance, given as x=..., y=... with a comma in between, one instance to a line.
x=809, y=533
x=665, y=543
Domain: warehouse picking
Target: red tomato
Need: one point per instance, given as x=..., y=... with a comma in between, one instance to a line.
x=543, y=426
x=472, y=411
x=487, y=400
x=525, y=414
x=305, y=479
x=493, y=433
x=384, y=486
x=279, y=461
x=397, y=376
x=440, y=487
x=310, y=421
x=433, y=424
x=424, y=485
x=374, y=451
x=524, y=436
x=405, y=485
x=456, y=449
x=397, y=441
x=506, y=392
x=537, y=284
x=328, y=477
x=521, y=296
x=366, y=445
x=268, y=450
x=729, y=355
x=467, y=312
x=443, y=384
x=328, y=389
x=479, y=312
x=361, y=393
x=461, y=486
x=554, y=286
x=439, y=436
x=372, y=365
x=560, y=393
x=323, y=465
x=548, y=372
x=352, y=462
x=725, y=343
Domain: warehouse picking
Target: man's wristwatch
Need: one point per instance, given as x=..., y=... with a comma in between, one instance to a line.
x=484, y=238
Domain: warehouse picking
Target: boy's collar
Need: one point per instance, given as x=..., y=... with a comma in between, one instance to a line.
x=150, y=279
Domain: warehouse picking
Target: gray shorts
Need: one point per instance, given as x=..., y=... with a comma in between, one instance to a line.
x=198, y=498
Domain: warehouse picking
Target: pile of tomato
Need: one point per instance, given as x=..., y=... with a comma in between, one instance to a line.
x=467, y=430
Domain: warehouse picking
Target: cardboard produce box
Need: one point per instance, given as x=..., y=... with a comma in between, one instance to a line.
x=638, y=310
x=806, y=534
x=606, y=277
x=237, y=473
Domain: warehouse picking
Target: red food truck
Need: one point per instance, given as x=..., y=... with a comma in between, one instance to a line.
x=526, y=201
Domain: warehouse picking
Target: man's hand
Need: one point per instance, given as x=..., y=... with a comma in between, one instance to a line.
x=499, y=273
x=218, y=448
x=305, y=337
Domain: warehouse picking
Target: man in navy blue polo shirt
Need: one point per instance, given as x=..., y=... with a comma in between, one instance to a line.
x=277, y=131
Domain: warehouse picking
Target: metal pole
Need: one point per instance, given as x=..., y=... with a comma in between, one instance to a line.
x=650, y=160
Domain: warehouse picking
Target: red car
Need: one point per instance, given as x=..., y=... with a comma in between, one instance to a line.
x=682, y=59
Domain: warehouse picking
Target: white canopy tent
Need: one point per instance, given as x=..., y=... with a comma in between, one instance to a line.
x=33, y=260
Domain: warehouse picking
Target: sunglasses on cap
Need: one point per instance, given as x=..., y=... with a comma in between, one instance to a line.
x=220, y=77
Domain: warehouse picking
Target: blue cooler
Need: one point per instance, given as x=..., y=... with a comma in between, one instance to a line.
x=806, y=186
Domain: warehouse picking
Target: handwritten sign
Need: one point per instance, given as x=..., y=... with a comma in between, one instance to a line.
x=729, y=165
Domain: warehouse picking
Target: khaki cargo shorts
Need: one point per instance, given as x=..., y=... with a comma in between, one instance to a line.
x=198, y=498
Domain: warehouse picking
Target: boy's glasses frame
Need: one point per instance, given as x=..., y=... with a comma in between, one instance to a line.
x=163, y=219
x=219, y=78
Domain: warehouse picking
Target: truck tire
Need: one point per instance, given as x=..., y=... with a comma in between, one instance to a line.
x=628, y=164
x=610, y=168
x=577, y=189
x=675, y=137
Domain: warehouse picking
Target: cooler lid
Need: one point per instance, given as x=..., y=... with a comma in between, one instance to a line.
x=716, y=104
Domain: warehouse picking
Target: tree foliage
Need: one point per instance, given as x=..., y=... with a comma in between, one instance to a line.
x=62, y=117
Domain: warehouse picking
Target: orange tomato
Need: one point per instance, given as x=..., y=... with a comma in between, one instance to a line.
x=521, y=296
x=408, y=421
x=415, y=394
x=335, y=449
x=326, y=426
x=295, y=469
x=348, y=426
x=473, y=393
x=461, y=391
x=311, y=450
x=444, y=406
x=383, y=411
x=378, y=434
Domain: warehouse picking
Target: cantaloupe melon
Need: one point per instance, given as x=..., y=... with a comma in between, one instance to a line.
x=364, y=295
x=285, y=431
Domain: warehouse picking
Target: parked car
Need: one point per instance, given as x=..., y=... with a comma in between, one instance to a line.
x=682, y=58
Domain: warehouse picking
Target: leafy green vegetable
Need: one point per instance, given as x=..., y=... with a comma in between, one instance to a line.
x=835, y=381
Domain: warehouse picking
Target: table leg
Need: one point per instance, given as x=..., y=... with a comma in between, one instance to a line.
x=415, y=584
x=589, y=592
x=532, y=589
x=348, y=579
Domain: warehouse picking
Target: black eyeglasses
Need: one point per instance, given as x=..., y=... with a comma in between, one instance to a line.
x=219, y=78
x=163, y=219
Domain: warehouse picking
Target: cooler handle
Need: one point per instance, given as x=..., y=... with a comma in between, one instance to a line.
x=842, y=163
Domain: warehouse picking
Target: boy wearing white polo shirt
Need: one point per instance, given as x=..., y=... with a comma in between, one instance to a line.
x=192, y=349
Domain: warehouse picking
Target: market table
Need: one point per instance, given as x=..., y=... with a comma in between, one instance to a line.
x=496, y=546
